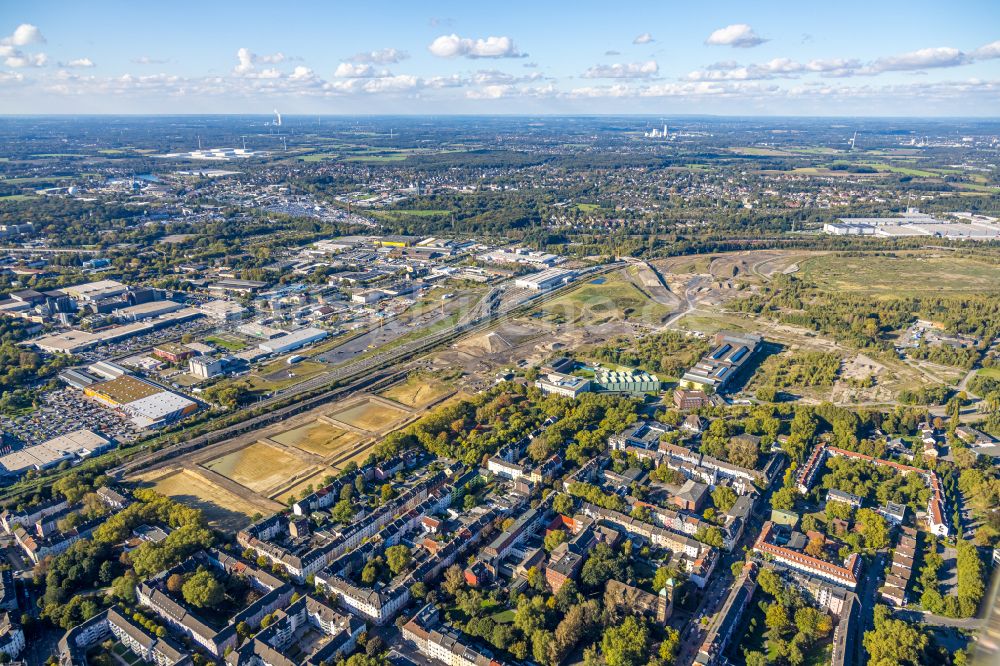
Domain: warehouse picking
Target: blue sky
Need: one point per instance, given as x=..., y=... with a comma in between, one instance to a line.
x=738, y=58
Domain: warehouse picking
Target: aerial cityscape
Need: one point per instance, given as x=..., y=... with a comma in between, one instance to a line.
x=417, y=335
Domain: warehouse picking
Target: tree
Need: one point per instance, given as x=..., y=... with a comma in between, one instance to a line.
x=894, y=642
x=202, y=590
x=454, y=580
x=626, y=644
x=563, y=503
x=724, y=498
x=784, y=498
x=543, y=646
x=841, y=510
x=663, y=574
x=776, y=618
x=553, y=539
x=123, y=587
x=343, y=511
x=873, y=528
x=668, y=648
x=814, y=548
x=398, y=557
x=812, y=623
x=175, y=582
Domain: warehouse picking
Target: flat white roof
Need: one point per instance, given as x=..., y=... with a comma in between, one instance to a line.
x=78, y=443
x=158, y=405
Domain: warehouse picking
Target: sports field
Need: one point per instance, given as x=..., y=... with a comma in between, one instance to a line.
x=258, y=467
x=317, y=437
x=222, y=508
x=902, y=275
x=417, y=391
x=370, y=415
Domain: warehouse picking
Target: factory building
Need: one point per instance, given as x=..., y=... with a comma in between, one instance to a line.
x=293, y=340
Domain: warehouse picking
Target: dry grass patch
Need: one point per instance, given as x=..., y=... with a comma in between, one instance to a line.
x=318, y=437
x=222, y=509
x=258, y=466
x=371, y=416
x=418, y=391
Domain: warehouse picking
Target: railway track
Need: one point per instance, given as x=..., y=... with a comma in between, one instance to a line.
x=366, y=373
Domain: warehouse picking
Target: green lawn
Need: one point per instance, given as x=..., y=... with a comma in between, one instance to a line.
x=228, y=345
x=903, y=170
x=505, y=616
x=318, y=157
x=615, y=298
x=992, y=373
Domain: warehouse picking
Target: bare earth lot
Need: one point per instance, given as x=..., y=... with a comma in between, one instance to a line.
x=258, y=467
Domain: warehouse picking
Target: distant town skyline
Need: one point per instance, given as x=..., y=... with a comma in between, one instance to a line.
x=729, y=58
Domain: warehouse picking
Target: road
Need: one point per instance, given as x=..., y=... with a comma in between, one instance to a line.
x=689, y=304
x=866, y=596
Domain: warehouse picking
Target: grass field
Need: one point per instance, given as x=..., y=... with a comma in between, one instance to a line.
x=225, y=343
x=279, y=375
x=257, y=467
x=587, y=207
x=318, y=157
x=902, y=275
x=317, y=437
x=992, y=373
x=614, y=299
x=760, y=152
x=222, y=508
x=370, y=416
x=903, y=170
x=417, y=391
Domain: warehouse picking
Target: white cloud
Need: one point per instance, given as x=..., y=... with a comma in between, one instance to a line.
x=738, y=35
x=347, y=70
x=942, y=56
x=386, y=56
x=11, y=77
x=644, y=38
x=24, y=35
x=23, y=60
x=78, y=62
x=450, y=46
x=617, y=90
x=248, y=60
x=302, y=73
x=147, y=60
x=630, y=70
x=987, y=52
x=776, y=68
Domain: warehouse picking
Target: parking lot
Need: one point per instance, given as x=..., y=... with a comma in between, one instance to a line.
x=142, y=342
x=64, y=411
